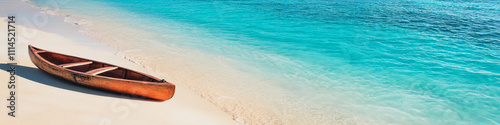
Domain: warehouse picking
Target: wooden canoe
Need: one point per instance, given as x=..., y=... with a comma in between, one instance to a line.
x=101, y=75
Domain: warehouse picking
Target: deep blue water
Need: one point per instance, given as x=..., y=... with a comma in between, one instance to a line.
x=396, y=61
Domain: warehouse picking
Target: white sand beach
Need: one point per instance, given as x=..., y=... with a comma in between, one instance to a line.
x=44, y=99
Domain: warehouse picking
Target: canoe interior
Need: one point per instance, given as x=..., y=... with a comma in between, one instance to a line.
x=121, y=73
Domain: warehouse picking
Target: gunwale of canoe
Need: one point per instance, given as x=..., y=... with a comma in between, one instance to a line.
x=101, y=75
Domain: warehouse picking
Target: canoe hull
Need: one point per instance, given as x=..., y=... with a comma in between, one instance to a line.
x=154, y=90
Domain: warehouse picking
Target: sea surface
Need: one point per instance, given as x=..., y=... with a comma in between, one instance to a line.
x=313, y=61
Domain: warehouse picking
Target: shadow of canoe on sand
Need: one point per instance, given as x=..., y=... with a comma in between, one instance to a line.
x=39, y=76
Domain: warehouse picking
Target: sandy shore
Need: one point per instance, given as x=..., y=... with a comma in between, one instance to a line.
x=44, y=99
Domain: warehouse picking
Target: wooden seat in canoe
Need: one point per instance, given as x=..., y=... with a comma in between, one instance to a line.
x=101, y=70
x=40, y=51
x=75, y=64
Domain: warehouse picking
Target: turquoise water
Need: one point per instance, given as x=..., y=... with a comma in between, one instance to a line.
x=390, y=62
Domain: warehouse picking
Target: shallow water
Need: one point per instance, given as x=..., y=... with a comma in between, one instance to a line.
x=320, y=62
